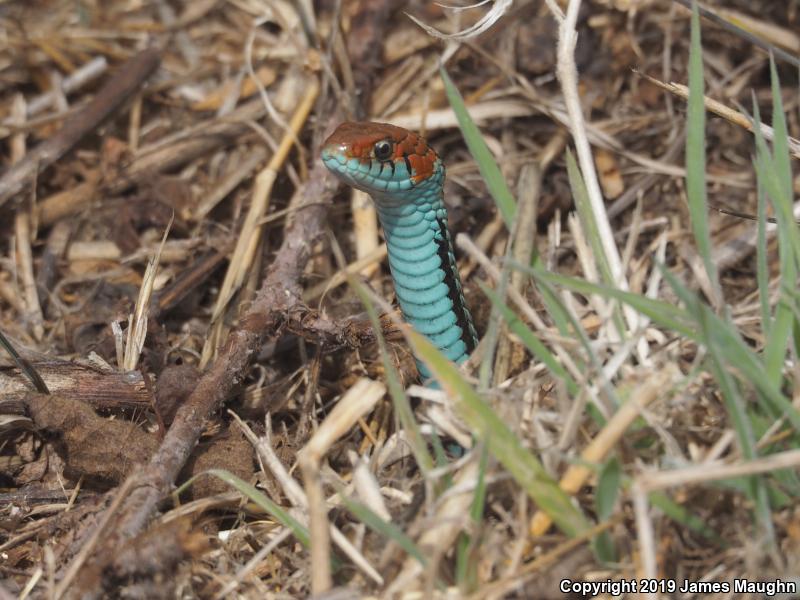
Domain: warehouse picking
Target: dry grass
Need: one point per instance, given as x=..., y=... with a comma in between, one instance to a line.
x=322, y=476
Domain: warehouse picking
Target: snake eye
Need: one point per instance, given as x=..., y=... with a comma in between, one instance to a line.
x=382, y=150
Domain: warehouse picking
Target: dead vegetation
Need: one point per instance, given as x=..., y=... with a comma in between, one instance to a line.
x=169, y=272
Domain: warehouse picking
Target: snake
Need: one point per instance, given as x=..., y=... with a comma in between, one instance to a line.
x=405, y=177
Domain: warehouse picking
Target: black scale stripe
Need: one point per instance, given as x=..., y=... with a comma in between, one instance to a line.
x=451, y=278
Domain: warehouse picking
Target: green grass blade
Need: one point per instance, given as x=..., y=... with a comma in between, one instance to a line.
x=550, y=299
x=735, y=406
x=732, y=398
x=260, y=500
x=736, y=353
x=466, y=571
x=608, y=488
x=583, y=206
x=501, y=442
x=492, y=336
x=575, y=329
x=769, y=176
x=774, y=174
x=587, y=217
x=779, y=327
x=681, y=515
x=609, y=484
x=696, y=153
x=532, y=343
x=662, y=313
x=780, y=137
x=402, y=407
x=780, y=331
x=388, y=530
x=479, y=499
x=734, y=350
x=490, y=172
x=440, y=455
x=762, y=269
x=553, y=305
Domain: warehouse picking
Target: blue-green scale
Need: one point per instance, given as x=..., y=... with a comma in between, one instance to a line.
x=420, y=251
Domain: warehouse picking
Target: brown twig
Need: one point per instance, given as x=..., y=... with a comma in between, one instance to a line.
x=718, y=108
x=129, y=77
x=280, y=295
x=745, y=35
x=103, y=390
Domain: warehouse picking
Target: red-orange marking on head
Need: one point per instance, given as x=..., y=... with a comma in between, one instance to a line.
x=356, y=140
x=422, y=165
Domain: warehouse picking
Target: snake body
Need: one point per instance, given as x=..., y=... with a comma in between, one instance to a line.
x=405, y=179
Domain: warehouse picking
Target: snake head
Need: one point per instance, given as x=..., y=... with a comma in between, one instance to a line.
x=381, y=159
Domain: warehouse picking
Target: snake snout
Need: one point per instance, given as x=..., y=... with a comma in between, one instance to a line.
x=333, y=154
x=343, y=168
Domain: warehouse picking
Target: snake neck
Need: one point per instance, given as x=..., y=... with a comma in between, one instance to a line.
x=426, y=279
